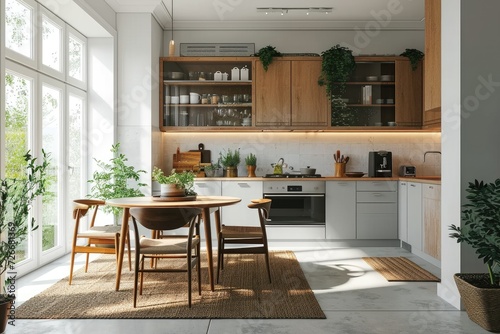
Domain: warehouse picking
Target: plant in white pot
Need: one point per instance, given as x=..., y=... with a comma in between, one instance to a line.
x=481, y=230
x=175, y=184
x=17, y=197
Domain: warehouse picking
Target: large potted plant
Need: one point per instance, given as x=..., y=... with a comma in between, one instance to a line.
x=414, y=55
x=230, y=161
x=175, y=184
x=17, y=197
x=480, y=229
x=112, y=180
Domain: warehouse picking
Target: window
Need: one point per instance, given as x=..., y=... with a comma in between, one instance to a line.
x=45, y=108
x=19, y=18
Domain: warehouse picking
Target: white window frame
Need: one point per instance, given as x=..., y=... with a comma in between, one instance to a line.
x=73, y=81
x=42, y=11
x=14, y=55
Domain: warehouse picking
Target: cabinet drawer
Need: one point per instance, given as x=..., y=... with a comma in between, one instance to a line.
x=377, y=197
x=376, y=208
x=432, y=191
x=377, y=226
x=377, y=185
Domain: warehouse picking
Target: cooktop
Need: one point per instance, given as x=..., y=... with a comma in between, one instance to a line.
x=292, y=176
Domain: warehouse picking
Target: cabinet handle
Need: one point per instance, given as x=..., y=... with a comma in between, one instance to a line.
x=243, y=184
x=403, y=183
x=412, y=185
x=431, y=187
x=377, y=194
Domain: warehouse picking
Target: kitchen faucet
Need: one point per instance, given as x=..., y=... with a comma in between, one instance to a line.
x=425, y=153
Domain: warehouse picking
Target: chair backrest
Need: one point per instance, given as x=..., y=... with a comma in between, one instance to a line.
x=164, y=218
x=82, y=206
x=263, y=205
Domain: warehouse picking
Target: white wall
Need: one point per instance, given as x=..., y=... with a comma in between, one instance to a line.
x=471, y=98
x=382, y=42
x=314, y=149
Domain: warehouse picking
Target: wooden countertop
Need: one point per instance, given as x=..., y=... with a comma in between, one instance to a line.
x=419, y=179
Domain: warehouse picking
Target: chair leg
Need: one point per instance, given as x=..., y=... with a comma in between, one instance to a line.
x=136, y=277
x=71, y=266
x=142, y=274
x=87, y=262
x=219, y=257
x=129, y=252
x=267, y=264
x=189, y=269
x=198, y=267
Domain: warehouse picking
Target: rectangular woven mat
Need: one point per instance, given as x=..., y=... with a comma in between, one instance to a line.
x=400, y=269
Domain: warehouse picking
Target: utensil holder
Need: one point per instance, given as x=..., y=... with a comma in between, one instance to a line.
x=340, y=169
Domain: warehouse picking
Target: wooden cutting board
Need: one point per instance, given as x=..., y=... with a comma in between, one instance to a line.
x=186, y=160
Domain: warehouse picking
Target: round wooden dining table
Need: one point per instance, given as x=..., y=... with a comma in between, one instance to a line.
x=208, y=204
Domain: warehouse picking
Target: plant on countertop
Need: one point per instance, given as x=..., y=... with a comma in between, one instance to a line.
x=414, y=55
x=266, y=55
x=17, y=197
x=338, y=64
x=211, y=169
x=481, y=225
x=230, y=158
x=112, y=180
x=184, y=180
x=251, y=160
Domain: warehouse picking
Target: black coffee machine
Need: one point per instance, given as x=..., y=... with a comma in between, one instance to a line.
x=380, y=164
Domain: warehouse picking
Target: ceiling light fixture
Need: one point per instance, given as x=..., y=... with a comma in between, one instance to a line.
x=286, y=10
x=171, y=45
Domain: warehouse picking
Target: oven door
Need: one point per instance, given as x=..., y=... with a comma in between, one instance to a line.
x=296, y=209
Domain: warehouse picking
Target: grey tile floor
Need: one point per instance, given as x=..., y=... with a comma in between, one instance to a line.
x=355, y=299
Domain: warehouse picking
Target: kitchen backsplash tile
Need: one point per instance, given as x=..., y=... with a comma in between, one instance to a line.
x=315, y=149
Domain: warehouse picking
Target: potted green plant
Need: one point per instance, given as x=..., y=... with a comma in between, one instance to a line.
x=337, y=66
x=251, y=163
x=175, y=184
x=266, y=55
x=414, y=55
x=480, y=229
x=230, y=161
x=212, y=169
x=112, y=180
x=17, y=196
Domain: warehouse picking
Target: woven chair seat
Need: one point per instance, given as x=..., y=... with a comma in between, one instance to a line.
x=166, y=246
x=102, y=232
x=241, y=231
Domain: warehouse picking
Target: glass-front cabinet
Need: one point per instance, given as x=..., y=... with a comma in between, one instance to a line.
x=382, y=92
x=205, y=92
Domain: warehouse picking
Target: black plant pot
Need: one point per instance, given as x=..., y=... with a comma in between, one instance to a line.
x=4, y=314
x=481, y=303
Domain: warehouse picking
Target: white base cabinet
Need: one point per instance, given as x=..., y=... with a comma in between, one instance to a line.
x=340, y=210
x=240, y=214
x=376, y=210
x=403, y=211
x=415, y=215
x=208, y=187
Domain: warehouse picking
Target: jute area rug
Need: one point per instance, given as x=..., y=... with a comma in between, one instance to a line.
x=400, y=269
x=243, y=291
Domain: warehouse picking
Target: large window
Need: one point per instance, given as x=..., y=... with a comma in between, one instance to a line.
x=45, y=108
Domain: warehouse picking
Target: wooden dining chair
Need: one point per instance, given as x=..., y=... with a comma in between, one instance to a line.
x=168, y=246
x=245, y=236
x=101, y=239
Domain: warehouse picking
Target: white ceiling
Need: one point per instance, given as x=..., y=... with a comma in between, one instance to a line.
x=242, y=14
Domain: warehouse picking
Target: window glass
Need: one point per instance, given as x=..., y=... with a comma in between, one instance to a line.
x=51, y=44
x=76, y=107
x=18, y=107
x=75, y=56
x=18, y=32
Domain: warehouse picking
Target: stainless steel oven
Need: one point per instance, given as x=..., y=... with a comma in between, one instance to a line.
x=296, y=202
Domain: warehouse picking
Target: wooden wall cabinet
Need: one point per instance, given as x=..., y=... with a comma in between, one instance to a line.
x=394, y=98
x=432, y=65
x=288, y=94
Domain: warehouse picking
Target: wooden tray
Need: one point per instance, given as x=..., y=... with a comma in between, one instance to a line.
x=174, y=199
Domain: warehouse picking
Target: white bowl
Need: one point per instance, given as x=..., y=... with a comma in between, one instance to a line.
x=372, y=78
